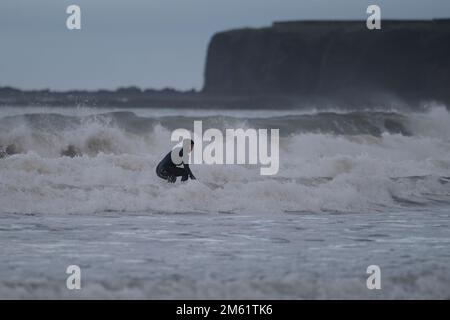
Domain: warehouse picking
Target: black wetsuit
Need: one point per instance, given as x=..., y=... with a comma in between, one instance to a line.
x=168, y=170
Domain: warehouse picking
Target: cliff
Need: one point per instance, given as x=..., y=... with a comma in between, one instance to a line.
x=297, y=64
x=407, y=59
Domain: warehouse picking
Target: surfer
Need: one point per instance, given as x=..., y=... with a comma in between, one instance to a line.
x=168, y=170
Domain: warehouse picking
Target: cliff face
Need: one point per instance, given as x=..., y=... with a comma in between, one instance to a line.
x=410, y=59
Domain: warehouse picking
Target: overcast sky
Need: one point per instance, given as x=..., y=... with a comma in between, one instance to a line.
x=149, y=43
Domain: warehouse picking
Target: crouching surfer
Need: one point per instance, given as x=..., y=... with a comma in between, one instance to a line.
x=168, y=170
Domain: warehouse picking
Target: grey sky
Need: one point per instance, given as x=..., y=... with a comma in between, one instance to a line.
x=149, y=43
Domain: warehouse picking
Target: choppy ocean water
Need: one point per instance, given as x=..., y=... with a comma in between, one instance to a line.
x=355, y=188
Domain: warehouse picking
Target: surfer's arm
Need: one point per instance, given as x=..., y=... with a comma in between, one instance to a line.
x=186, y=167
x=188, y=170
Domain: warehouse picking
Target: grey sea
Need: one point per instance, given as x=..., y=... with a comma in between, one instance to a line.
x=355, y=188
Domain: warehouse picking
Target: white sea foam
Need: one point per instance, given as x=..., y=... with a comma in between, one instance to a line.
x=390, y=189
x=318, y=172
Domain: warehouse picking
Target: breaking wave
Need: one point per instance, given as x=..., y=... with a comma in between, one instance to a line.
x=330, y=161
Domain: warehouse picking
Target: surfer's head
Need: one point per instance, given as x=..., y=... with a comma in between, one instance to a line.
x=188, y=144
